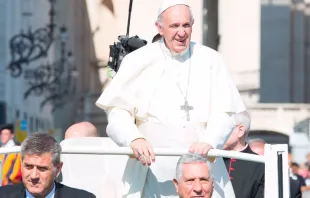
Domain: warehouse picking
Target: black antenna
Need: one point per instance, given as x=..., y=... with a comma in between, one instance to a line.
x=129, y=15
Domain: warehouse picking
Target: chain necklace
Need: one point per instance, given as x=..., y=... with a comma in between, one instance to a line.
x=186, y=107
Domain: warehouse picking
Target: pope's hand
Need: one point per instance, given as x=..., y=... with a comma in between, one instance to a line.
x=143, y=151
x=201, y=148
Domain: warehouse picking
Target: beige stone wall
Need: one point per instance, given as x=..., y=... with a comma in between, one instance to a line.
x=239, y=28
x=74, y=15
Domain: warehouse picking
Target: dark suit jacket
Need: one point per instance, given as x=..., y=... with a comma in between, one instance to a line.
x=61, y=191
x=295, y=188
x=247, y=178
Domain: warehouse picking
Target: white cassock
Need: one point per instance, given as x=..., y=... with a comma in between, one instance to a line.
x=151, y=86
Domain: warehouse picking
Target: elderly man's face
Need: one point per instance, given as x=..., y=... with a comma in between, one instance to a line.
x=176, y=27
x=38, y=173
x=195, y=181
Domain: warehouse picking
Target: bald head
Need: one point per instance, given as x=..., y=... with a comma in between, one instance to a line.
x=258, y=146
x=81, y=129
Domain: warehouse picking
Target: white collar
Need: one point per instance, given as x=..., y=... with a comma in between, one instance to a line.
x=173, y=55
x=245, y=147
x=50, y=195
x=10, y=143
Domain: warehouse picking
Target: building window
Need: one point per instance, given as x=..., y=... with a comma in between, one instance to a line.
x=17, y=114
x=25, y=116
x=2, y=113
x=48, y=127
x=31, y=124
x=37, y=124
x=42, y=125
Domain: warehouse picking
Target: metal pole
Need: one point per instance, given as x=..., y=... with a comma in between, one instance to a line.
x=129, y=17
x=292, y=51
x=307, y=52
x=280, y=174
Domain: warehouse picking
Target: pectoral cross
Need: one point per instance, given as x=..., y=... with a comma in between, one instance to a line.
x=186, y=107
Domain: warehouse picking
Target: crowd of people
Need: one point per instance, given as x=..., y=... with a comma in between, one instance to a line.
x=40, y=153
x=41, y=166
x=300, y=172
x=247, y=177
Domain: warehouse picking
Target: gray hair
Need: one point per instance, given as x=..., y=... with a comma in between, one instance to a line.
x=243, y=118
x=160, y=17
x=191, y=158
x=40, y=143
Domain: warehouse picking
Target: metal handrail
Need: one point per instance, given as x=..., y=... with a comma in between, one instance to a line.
x=158, y=152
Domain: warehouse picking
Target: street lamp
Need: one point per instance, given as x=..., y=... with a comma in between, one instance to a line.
x=54, y=81
x=29, y=46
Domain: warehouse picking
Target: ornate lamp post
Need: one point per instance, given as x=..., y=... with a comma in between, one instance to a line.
x=32, y=45
x=54, y=81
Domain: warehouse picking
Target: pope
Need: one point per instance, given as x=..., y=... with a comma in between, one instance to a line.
x=173, y=93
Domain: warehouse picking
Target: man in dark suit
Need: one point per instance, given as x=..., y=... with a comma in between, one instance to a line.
x=40, y=166
x=247, y=178
x=295, y=188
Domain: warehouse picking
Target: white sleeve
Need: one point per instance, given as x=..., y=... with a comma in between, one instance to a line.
x=219, y=129
x=121, y=127
x=225, y=102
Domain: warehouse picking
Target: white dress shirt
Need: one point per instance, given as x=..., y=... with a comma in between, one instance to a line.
x=50, y=195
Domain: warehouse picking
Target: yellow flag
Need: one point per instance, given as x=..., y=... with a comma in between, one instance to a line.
x=20, y=135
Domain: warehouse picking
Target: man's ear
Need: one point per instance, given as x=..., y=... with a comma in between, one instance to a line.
x=241, y=130
x=58, y=170
x=159, y=28
x=176, y=185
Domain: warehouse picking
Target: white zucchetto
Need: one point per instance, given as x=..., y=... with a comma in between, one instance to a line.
x=169, y=3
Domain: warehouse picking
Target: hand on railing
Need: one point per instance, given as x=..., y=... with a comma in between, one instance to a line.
x=143, y=151
x=202, y=148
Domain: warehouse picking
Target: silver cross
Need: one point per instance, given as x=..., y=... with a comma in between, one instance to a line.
x=186, y=107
